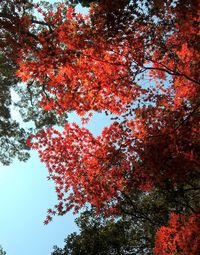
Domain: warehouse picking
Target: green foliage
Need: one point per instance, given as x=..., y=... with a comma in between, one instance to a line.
x=2, y=252
x=98, y=237
x=13, y=133
x=12, y=136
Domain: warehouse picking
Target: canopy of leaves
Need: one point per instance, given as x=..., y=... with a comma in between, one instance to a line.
x=96, y=237
x=138, y=60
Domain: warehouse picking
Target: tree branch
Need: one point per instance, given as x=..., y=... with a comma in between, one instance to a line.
x=172, y=72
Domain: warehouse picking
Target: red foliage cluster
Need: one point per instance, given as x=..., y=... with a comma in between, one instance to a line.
x=87, y=170
x=180, y=54
x=80, y=70
x=133, y=154
x=180, y=237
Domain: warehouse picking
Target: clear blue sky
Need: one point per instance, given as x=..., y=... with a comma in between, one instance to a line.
x=25, y=196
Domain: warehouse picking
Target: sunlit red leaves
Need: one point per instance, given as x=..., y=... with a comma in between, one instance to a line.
x=179, y=55
x=142, y=153
x=80, y=71
x=87, y=170
x=181, y=236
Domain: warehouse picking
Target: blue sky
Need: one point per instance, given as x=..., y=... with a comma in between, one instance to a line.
x=25, y=196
